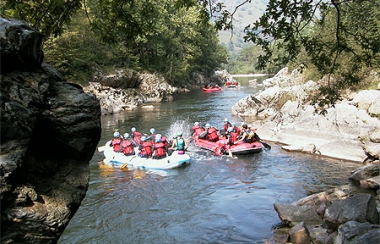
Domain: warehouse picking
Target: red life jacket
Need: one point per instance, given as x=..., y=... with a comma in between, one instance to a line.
x=159, y=149
x=226, y=125
x=233, y=137
x=212, y=135
x=221, y=149
x=197, y=130
x=165, y=141
x=137, y=137
x=116, y=144
x=127, y=147
x=237, y=130
x=146, y=149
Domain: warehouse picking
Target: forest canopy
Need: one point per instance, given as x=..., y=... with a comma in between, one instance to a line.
x=170, y=37
x=339, y=39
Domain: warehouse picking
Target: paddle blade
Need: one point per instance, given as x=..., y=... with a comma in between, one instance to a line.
x=101, y=149
x=266, y=145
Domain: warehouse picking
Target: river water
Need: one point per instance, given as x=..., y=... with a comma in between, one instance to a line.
x=212, y=200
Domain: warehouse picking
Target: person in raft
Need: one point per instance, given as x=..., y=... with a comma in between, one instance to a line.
x=164, y=140
x=197, y=129
x=232, y=135
x=116, y=142
x=212, y=133
x=179, y=144
x=247, y=134
x=159, y=150
x=136, y=136
x=152, y=135
x=146, y=148
x=127, y=145
x=225, y=127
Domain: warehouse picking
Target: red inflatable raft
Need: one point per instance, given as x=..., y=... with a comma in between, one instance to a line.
x=231, y=84
x=212, y=89
x=237, y=149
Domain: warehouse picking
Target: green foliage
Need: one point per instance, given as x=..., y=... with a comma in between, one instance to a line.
x=171, y=37
x=48, y=17
x=337, y=37
x=166, y=37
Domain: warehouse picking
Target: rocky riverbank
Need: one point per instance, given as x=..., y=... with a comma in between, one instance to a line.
x=349, y=131
x=49, y=132
x=128, y=89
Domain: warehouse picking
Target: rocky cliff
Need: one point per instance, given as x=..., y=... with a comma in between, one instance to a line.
x=282, y=112
x=49, y=132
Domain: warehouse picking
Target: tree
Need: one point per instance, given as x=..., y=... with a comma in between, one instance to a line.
x=48, y=17
x=171, y=37
x=340, y=37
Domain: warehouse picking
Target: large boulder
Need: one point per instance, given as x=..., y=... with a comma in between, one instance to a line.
x=49, y=132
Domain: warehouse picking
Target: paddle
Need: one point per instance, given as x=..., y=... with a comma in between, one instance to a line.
x=266, y=145
x=101, y=149
x=126, y=163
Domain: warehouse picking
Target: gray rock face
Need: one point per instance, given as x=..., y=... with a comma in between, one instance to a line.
x=49, y=132
x=282, y=112
x=343, y=215
x=20, y=45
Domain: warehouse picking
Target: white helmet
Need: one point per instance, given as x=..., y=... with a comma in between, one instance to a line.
x=196, y=123
x=126, y=135
x=207, y=125
x=116, y=134
x=158, y=138
x=152, y=130
x=133, y=129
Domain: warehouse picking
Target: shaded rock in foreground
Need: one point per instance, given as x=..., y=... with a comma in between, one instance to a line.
x=49, y=132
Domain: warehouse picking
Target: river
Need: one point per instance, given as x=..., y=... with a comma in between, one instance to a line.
x=212, y=200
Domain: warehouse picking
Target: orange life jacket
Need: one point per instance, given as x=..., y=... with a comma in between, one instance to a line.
x=116, y=144
x=233, y=137
x=226, y=125
x=146, y=149
x=136, y=137
x=212, y=135
x=197, y=130
x=127, y=147
x=159, y=149
x=165, y=141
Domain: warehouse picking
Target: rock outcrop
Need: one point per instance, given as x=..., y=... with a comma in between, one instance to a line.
x=282, y=113
x=349, y=130
x=347, y=214
x=49, y=132
x=127, y=90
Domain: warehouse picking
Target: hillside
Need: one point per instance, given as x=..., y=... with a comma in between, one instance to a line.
x=245, y=15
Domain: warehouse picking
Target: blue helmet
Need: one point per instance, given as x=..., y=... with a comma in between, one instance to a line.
x=225, y=120
x=179, y=133
x=133, y=129
x=152, y=130
x=143, y=138
x=116, y=134
x=207, y=125
x=126, y=135
x=230, y=129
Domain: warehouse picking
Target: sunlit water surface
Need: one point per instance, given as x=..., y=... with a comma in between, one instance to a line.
x=213, y=200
